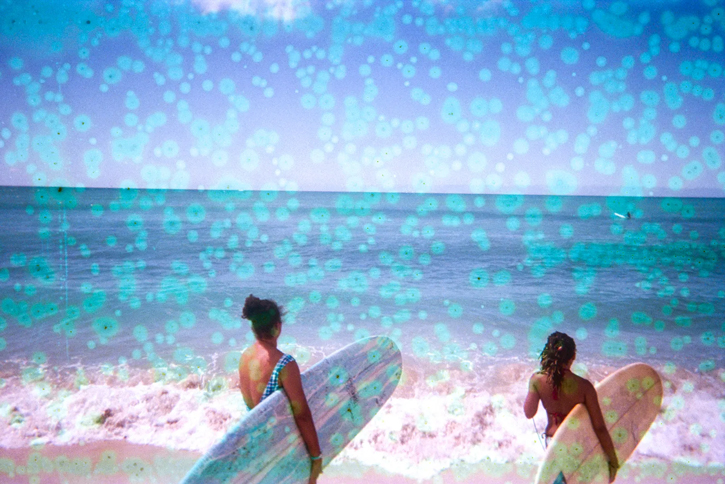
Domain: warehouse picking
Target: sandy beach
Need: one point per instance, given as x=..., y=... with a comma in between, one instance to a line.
x=118, y=462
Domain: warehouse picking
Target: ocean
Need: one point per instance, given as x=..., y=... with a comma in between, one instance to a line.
x=120, y=327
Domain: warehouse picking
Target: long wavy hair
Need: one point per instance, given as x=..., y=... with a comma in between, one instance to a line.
x=560, y=348
x=264, y=315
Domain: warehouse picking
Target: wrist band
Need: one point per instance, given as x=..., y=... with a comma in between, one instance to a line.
x=316, y=458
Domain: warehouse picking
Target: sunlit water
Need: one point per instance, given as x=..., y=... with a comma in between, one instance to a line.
x=121, y=310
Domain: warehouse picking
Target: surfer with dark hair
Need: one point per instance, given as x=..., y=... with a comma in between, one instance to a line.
x=263, y=369
x=560, y=390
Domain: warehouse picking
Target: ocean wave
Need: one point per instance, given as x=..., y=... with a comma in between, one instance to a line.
x=453, y=417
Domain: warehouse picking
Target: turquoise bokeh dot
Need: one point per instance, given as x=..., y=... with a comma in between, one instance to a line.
x=455, y=310
x=588, y=311
x=140, y=333
x=570, y=55
x=502, y=278
x=508, y=341
x=478, y=278
x=614, y=349
x=106, y=327
x=566, y=231
x=544, y=300
x=507, y=307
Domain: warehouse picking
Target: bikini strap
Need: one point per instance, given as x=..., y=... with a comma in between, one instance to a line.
x=558, y=417
x=273, y=383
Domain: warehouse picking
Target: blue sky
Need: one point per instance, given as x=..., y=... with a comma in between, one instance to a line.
x=571, y=98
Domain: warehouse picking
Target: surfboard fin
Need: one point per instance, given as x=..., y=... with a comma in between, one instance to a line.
x=559, y=479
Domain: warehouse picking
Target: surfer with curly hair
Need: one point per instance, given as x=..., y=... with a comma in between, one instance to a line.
x=263, y=369
x=559, y=390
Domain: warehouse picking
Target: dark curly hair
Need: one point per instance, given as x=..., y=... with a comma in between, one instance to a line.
x=264, y=315
x=560, y=348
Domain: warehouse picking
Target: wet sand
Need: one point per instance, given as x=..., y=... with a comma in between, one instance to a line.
x=656, y=473
x=105, y=462
x=118, y=462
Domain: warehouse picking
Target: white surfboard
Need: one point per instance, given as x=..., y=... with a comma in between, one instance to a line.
x=344, y=391
x=630, y=399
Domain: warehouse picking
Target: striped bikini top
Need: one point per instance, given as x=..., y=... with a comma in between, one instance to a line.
x=273, y=383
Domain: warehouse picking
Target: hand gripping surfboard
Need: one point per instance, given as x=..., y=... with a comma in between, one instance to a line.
x=630, y=399
x=344, y=391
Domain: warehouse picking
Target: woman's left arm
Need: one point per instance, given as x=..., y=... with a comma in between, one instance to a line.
x=292, y=383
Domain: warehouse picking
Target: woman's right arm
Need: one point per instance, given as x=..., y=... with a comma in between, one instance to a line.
x=531, y=404
x=591, y=401
x=292, y=384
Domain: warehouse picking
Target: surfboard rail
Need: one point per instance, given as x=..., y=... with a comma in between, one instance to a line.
x=630, y=399
x=344, y=391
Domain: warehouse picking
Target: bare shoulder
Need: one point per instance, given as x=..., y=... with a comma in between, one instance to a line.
x=247, y=355
x=291, y=381
x=536, y=379
x=290, y=369
x=586, y=386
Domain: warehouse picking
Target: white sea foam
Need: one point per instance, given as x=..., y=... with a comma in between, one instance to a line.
x=439, y=417
x=434, y=426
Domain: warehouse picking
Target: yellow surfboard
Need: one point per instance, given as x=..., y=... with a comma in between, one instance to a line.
x=630, y=399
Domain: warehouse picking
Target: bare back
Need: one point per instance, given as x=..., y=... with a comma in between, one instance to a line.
x=558, y=403
x=255, y=368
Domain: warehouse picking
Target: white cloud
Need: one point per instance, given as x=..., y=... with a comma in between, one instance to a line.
x=284, y=10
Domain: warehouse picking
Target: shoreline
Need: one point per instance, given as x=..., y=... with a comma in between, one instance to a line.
x=440, y=426
x=438, y=413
